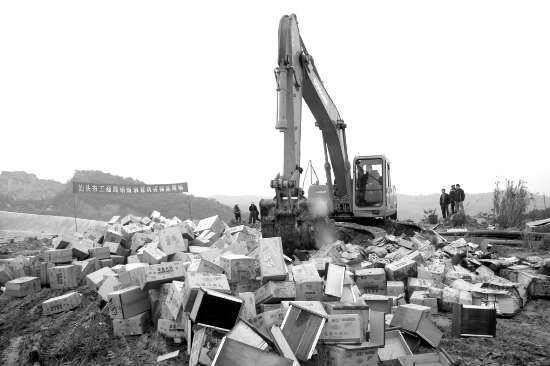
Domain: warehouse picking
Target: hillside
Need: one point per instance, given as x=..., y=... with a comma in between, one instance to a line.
x=25, y=186
x=102, y=206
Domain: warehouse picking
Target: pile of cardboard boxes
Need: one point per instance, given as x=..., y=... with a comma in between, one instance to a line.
x=236, y=299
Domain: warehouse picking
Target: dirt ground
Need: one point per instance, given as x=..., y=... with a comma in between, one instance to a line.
x=84, y=335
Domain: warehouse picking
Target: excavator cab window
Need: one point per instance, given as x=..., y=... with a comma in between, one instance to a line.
x=369, y=182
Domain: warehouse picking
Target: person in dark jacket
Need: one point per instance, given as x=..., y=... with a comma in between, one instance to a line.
x=237, y=213
x=452, y=196
x=444, y=201
x=253, y=215
x=460, y=196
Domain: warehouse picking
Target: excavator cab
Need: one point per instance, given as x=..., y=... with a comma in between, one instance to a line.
x=373, y=194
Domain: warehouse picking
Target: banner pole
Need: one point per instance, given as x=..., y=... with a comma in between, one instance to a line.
x=75, y=222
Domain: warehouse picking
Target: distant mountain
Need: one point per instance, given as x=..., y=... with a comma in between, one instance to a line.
x=59, y=200
x=25, y=186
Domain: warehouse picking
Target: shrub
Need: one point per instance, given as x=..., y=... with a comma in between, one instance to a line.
x=510, y=204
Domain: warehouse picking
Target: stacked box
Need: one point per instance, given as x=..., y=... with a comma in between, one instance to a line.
x=58, y=255
x=100, y=253
x=64, y=277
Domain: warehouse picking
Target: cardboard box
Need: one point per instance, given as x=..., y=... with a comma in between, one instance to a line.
x=362, y=310
x=128, y=302
x=395, y=288
x=362, y=354
x=244, y=286
x=96, y=278
x=61, y=242
x=302, y=328
x=371, y=280
x=271, y=258
x=140, y=240
x=234, y=353
x=157, y=274
x=116, y=259
x=416, y=319
x=238, y=267
x=402, y=269
x=427, y=359
x=116, y=248
x=343, y=328
x=395, y=346
x=309, y=286
x=204, y=266
x=378, y=302
x=275, y=291
x=100, y=252
x=267, y=319
x=423, y=298
x=246, y=333
x=473, y=321
x=334, y=281
x=213, y=223
x=215, y=309
x=169, y=328
x=418, y=284
x=58, y=255
x=153, y=255
x=22, y=286
x=171, y=241
x=135, y=325
x=248, y=310
x=113, y=234
x=61, y=303
x=64, y=277
x=107, y=262
x=87, y=266
x=197, y=280
x=81, y=249
x=109, y=285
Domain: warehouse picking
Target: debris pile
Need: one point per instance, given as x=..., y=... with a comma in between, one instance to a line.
x=235, y=299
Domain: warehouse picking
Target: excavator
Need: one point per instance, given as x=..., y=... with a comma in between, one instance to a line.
x=354, y=195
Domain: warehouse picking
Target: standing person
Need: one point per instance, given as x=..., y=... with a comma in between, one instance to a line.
x=252, y=213
x=444, y=201
x=460, y=196
x=452, y=196
x=237, y=213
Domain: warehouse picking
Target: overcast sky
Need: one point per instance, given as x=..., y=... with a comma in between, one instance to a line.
x=169, y=91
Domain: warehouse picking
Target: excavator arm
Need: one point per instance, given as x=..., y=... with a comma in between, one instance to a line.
x=298, y=77
x=288, y=215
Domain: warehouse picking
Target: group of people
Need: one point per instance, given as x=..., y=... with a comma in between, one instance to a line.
x=253, y=214
x=455, y=199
